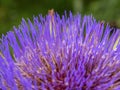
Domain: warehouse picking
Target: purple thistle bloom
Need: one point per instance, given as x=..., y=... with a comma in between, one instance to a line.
x=53, y=53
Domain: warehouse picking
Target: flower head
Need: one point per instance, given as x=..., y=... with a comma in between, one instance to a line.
x=60, y=53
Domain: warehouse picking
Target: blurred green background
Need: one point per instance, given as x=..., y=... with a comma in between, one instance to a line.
x=12, y=11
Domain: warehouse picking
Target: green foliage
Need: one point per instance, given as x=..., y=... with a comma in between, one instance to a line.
x=11, y=11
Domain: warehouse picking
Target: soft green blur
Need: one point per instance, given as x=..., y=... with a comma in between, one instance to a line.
x=12, y=11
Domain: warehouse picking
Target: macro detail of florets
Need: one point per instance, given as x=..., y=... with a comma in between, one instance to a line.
x=60, y=53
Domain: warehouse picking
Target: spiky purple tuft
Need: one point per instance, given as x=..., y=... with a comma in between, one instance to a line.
x=53, y=53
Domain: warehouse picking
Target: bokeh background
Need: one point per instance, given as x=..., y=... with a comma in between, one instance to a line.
x=12, y=11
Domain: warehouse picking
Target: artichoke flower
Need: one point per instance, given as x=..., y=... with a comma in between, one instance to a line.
x=70, y=52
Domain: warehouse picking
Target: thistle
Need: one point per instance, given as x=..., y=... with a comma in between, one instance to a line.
x=60, y=53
